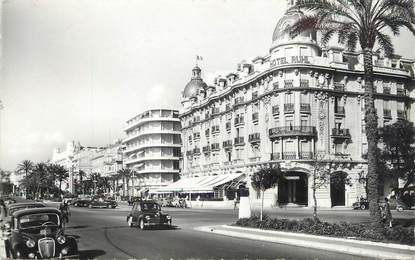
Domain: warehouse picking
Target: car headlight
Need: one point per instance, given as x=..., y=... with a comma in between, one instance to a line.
x=147, y=217
x=30, y=243
x=65, y=251
x=168, y=217
x=61, y=239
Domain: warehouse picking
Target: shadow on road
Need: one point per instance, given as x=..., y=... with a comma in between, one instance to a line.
x=90, y=254
x=77, y=227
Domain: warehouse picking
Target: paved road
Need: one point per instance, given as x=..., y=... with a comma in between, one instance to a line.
x=103, y=234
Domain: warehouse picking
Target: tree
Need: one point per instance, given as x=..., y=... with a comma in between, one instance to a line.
x=265, y=178
x=125, y=175
x=398, y=151
x=82, y=175
x=59, y=173
x=360, y=22
x=25, y=167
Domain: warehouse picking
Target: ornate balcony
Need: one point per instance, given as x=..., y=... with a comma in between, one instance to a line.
x=254, y=138
x=387, y=113
x=227, y=144
x=304, y=83
x=239, y=121
x=255, y=117
x=305, y=108
x=305, y=155
x=340, y=133
x=275, y=110
x=289, y=108
x=215, y=129
x=288, y=83
x=339, y=111
x=239, y=141
x=214, y=147
x=292, y=131
x=289, y=155
x=206, y=149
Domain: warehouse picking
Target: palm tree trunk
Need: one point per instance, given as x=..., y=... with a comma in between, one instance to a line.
x=262, y=205
x=314, y=197
x=372, y=138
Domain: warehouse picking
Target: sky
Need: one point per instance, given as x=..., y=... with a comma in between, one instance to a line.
x=79, y=69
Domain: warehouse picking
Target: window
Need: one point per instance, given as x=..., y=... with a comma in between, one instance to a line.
x=338, y=148
x=289, y=122
x=289, y=98
x=229, y=156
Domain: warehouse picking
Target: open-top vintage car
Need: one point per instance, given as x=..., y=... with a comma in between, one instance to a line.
x=38, y=233
x=146, y=214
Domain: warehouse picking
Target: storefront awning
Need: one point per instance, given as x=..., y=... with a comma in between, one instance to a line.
x=205, y=184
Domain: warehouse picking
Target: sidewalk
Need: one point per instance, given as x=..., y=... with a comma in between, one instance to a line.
x=340, y=245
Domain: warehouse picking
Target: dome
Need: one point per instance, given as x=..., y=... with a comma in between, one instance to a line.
x=196, y=84
x=287, y=20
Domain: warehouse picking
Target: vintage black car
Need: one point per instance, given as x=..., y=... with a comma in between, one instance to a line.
x=23, y=205
x=146, y=214
x=81, y=202
x=38, y=233
x=112, y=204
x=361, y=204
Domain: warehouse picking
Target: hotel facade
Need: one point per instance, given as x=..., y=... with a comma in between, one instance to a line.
x=152, y=149
x=284, y=108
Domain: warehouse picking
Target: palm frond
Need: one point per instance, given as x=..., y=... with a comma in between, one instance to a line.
x=385, y=43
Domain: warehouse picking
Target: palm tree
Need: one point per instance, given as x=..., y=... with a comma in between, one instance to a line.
x=82, y=174
x=40, y=176
x=360, y=22
x=60, y=173
x=125, y=175
x=25, y=167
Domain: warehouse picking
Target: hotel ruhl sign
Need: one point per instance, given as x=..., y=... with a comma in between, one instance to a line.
x=289, y=60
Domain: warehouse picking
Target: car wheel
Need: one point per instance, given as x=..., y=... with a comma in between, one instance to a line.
x=142, y=226
x=130, y=222
x=90, y=206
x=399, y=208
x=363, y=206
x=76, y=204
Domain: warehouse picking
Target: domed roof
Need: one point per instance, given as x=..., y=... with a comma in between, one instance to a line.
x=195, y=85
x=287, y=20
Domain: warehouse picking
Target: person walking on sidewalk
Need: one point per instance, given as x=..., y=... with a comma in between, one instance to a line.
x=388, y=214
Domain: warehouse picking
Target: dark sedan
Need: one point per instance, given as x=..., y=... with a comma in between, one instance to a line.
x=146, y=214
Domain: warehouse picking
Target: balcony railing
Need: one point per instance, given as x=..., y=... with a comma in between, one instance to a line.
x=214, y=147
x=255, y=117
x=289, y=155
x=386, y=90
x=339, y=110
x=206, y=149
x=401, y=114
x=292, y=131
x=255, y=95
x=275, y=110
x=239, y=121
x=289, y=108
x=227, y=144
x=239, y=100
x=215, y=129
x=400, y=92
x=196, y=151
x=239, y=141
x=338, y=86
x=288, y=83
x=215, y=111
x=228, y=126
x=305, y=108
x=305, y=155
x=304, y=83
x=276, y=156
x=340, y=133
x=254, y=138
x=387, y=113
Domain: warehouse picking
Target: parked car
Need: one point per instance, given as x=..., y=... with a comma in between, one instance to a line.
x=111, y=203
x=97, y=203
x=23, y=205
x=146, y=214
x=38, y=233
x=361, y=204
x=81, y=202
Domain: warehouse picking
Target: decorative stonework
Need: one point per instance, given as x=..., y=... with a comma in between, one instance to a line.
x=266, y=100
x=322, y=98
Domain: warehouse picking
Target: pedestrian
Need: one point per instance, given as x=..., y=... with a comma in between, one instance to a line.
x=388, y=214
x=235, y=203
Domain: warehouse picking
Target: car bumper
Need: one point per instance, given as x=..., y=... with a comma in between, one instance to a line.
x=157, y=223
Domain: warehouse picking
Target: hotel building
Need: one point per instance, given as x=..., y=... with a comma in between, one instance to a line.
x=283, y=108
x=152, y=149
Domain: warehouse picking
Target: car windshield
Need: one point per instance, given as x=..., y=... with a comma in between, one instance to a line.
x=150, y=207
x=37, y=220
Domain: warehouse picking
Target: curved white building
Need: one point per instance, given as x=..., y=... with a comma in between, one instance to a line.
x=152, y=148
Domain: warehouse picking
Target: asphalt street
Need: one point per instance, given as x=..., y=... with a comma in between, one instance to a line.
x=104, y=234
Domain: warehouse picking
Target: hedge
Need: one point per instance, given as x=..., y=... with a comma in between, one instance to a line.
x=343, y=229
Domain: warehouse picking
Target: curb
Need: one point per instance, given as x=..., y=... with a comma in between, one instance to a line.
x=295, y=241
